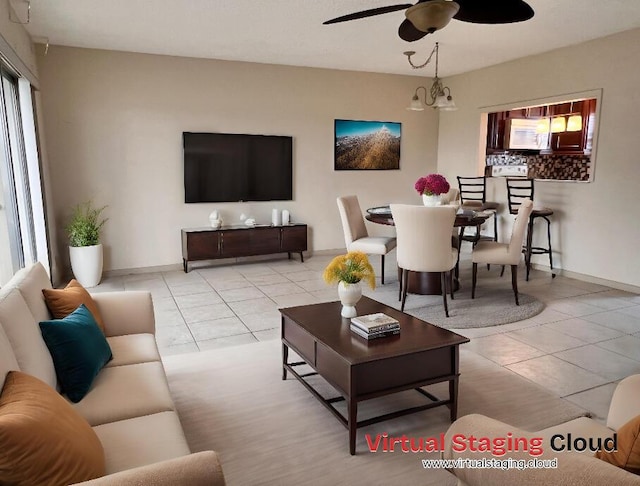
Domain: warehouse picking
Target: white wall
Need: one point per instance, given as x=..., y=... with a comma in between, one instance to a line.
x=114, y=124
x=595, y=228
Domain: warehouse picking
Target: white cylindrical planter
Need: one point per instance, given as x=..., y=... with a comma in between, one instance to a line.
x=86, y=264
x=349, y=295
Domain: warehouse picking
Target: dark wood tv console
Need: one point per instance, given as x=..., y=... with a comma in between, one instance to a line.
x=239, y=241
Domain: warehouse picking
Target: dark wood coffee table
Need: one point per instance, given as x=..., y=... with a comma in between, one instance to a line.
x=422, y=354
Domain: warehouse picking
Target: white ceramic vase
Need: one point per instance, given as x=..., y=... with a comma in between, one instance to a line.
x=86, y=264
x=349, y=295
x=431, y=200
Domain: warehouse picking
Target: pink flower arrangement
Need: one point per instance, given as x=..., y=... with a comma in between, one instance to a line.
x=432, y=185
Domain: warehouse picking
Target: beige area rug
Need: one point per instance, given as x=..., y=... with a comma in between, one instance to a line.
x=269, y=431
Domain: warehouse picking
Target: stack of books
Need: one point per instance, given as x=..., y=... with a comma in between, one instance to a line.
x=374, y=326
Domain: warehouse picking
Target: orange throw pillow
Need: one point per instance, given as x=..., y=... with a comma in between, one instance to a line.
x=62, y=302
x=43, y=439
x=628, y=454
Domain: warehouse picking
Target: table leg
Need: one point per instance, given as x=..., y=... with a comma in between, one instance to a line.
x=285, y=357
x=453, y=384
x=353, y=425
x=453, y=396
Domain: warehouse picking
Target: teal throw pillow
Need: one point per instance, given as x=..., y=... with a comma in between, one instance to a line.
x=79, y=351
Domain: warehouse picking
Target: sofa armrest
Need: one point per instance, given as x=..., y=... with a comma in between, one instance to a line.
x=625, y=403
x=572, y=468
x=126, y=312
x=200, y=469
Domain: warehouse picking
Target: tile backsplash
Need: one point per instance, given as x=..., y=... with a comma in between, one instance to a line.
x=558, y=167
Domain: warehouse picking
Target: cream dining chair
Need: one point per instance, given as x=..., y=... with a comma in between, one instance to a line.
x=356, y=237
x=504, y=253
x=424, y=244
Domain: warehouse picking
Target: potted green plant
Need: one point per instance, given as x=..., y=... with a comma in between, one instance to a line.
x=85, y=249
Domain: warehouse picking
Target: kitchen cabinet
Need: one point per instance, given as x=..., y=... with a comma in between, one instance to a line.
x=578, y=142
x=495, y=132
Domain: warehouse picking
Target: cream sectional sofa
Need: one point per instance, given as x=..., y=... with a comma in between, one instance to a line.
x=129, y=405
x=574, y=469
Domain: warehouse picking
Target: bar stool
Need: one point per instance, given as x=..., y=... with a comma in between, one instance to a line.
x=473, y=195
x=519, y=189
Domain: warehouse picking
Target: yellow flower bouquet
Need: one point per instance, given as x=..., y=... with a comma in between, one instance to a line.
x=350, y=269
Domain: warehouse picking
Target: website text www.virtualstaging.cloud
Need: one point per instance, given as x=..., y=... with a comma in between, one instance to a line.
x=496, y=446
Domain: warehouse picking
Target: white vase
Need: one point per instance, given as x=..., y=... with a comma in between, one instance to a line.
x=86, y=264
x=349, y=295
x=431, y=200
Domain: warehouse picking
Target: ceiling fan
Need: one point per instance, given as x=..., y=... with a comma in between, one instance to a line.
x=428, y=16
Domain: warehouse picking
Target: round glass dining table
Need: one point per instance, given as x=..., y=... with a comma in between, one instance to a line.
x=428, y=283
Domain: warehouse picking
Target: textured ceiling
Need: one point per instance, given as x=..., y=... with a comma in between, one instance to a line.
x=291, y=32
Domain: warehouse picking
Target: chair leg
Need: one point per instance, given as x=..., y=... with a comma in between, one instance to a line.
x=502, y=271
x=382, y=271
x=553, y=275
x=527, y=256
x=451, y=283
x=495, y=227
x=443, y=283
x=514, y=281
x=400, y=284
x=405, y=278
x=473, y=280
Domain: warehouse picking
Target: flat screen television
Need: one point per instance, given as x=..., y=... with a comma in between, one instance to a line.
x=229, y=167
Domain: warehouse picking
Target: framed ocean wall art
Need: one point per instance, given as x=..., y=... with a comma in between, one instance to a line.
x=367, y=145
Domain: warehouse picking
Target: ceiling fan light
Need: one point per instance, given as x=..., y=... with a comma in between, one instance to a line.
x=432, y=15
x=574, y=124
x=415, y=104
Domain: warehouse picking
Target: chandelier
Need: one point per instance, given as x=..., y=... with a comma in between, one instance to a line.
x=438, y=96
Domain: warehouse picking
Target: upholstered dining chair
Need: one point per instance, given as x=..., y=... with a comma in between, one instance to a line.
x=452, y=197
x=424, y=244
x=504, y=253
x=356, y=237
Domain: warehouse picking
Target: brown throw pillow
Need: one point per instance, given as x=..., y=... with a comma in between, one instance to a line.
x=62, y=302
x=43, y=439
x=628, y=454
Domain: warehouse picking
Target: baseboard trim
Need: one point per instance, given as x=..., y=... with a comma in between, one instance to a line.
x=588, y=278
x=217, y=263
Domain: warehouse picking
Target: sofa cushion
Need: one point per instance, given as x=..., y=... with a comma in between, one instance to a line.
x=627, y=456
x=8, y=360
x=79, y=351
x=30, y=281
x=132, y=349
x=44, y=441
x=123, y=392
x=24, y=335
x=142, y=440
x=62, y=302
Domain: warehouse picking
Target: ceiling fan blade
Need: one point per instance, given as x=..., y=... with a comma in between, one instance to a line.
x=493, y=11
x=409, y=33
x=368, y=13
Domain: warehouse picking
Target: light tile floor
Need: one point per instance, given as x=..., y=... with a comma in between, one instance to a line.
x=579, y=347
